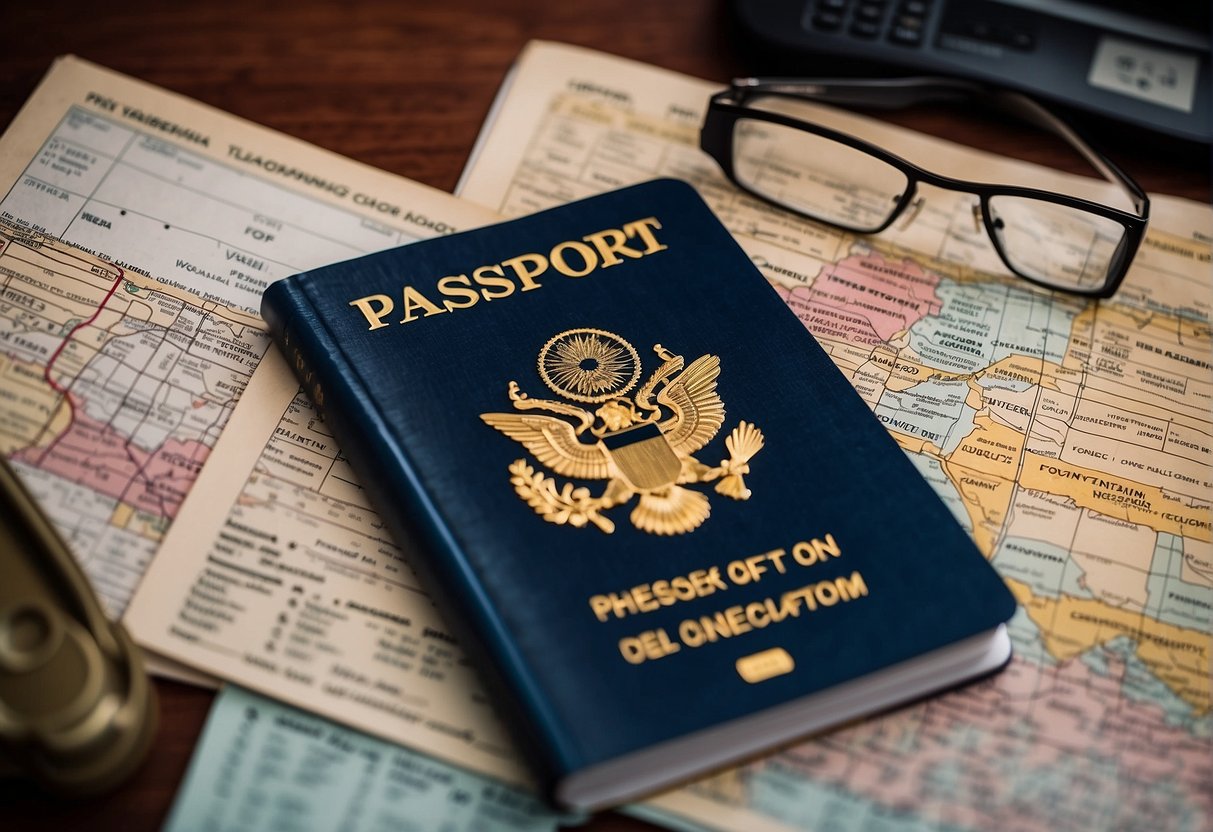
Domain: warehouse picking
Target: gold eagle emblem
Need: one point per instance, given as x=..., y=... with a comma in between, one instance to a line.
x=641, y=445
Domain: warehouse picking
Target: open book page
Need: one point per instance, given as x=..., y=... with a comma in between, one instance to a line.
x=1072, y=439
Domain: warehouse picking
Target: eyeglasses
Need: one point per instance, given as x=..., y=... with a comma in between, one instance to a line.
x=1054, y=240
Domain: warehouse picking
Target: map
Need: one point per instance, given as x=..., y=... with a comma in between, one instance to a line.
x=1071, y=439
x=115, y=390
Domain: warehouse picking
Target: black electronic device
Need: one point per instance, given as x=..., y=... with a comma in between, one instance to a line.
x=1143, y=63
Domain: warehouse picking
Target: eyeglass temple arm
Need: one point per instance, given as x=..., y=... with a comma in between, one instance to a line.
x=884, y=94
x=896, y=93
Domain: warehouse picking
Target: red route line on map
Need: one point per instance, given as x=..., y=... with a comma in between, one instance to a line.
x=50, y=365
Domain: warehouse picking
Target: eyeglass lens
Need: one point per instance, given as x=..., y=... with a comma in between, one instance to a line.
x=815, y=175
x=1055, y=244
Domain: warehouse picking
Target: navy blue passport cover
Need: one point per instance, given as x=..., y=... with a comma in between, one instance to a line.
x=420, y=399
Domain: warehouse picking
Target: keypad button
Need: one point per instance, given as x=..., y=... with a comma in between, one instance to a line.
x=1022, y=40
x=980, y=30
x=869, y=12
x=827, y=21
x=865, y=29
x=905, y=36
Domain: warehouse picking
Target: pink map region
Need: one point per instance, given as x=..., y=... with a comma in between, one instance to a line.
x=865, y=299
x=1059, y=747
x=94, y=455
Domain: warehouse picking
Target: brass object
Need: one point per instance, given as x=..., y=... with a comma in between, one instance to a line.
x=77, y=712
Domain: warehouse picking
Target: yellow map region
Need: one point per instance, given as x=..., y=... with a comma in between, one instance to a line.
x=1172, y=244
x=1069, y=627
x=1027, y=370
x=1117, y=497
x=1159, y=363
x=983, y=469
x=902, y=373
x=27, y=405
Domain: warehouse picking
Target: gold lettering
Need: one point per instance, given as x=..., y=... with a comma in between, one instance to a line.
x=539, y=265
x=737, y=620
x=644, y=230
x=374, y=308
x=674, y=590
x=601, y=605
x=790, y=602
x=657, y=643
x=707, y=581
x=816, y=551
x=611, y=242
x=740, y=619
x=644, y=598
x=782, y=611
x=715, y=626
x=851, y=588
x=414, y=300
x=608, y=247
x=827, y=593
x=651, y=644
x=804, y=554
x=756, y=613
x=683, y=589
x=737, y=572
x=588, y=256
x=827, y=546
x=631, y=650
x=755, y=566
x=458, y=286
x=691, y=633
x=649, y=597
x=621, y=605
x=483, y=276
x=742, y=572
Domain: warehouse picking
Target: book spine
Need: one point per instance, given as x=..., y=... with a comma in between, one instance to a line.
x=335, y=388
x=286, y=337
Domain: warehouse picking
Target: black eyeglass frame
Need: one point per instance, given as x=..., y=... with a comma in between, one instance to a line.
x=727, y=106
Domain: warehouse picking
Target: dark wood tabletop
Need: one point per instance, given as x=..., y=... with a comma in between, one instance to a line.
x=402, y=86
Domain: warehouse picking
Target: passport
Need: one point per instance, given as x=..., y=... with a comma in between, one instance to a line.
x=666, y=530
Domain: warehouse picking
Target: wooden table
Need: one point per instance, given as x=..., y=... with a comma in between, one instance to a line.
x=404, y=87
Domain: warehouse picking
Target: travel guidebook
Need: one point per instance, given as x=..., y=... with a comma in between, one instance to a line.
x=600, y=431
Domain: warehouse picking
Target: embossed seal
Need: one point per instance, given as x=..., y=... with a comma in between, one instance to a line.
x=641, y=445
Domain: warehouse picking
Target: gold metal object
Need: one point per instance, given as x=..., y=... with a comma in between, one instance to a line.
x=77, y=712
